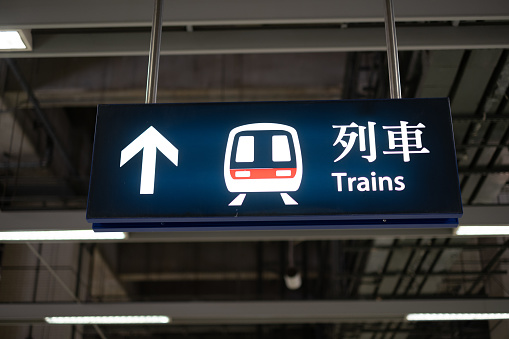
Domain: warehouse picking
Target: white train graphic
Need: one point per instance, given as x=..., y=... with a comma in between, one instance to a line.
x=263, y=157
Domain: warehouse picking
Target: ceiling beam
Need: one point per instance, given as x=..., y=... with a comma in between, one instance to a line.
x=265, y=41
x=255, y=312
x=134, y=13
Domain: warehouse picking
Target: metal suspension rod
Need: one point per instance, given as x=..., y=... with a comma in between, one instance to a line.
x=155, y=48
x=392, y=51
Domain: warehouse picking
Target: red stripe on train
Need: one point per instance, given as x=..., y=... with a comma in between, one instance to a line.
x=263, y=173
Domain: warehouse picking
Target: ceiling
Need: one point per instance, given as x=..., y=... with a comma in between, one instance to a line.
x=355, y=284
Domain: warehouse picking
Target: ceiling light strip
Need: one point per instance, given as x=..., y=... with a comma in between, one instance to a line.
x=11, y=40
x=455, y=316
x=60, y=235
x=129, y=319
x=482, y=230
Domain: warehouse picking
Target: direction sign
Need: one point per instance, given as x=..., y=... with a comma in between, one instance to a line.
x=150, y=141
x=323, y=164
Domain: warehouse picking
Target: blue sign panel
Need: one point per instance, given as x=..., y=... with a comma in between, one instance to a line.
x=372, y=163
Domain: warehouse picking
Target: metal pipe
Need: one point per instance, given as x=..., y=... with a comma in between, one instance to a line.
x=360, y=265
x=36, y=285
x=489, y=266
x=432, y=267
x=155, y=48
x=409, y=260
x=385, y=268
x=418, y=269
x=62, y=284
x=392, y=51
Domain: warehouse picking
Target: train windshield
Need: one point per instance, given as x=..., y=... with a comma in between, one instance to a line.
x=263, y=149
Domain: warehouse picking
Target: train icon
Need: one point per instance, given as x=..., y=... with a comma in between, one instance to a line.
x=263, y=157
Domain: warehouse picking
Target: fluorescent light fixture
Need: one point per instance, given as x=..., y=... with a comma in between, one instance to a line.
x=60, y=235
x=455, y=316
x=127, y=319
x=482, y=230
x=11, y=40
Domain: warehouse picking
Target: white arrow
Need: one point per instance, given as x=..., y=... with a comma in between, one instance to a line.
x=149, y=141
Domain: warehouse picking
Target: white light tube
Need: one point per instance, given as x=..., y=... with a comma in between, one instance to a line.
x=60, y=235
x=127, y=319
x=482, y=230
x=11, y=40
x=455, y=316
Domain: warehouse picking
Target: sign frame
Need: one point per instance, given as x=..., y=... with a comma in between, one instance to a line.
x=281, y=221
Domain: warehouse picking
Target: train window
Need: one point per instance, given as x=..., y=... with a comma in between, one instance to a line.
x=280, y=148
x=245, y=149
